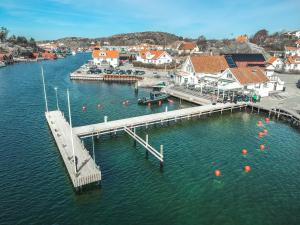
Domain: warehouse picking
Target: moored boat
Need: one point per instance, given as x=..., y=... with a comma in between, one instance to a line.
x=2, y=64
x=155, y=96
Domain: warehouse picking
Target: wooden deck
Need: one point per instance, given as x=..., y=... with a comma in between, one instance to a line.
x=139, y=121
x=87, y=170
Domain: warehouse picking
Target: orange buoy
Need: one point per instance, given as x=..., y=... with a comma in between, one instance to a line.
x=260, y=134
x=247, y=169
x=159, y=102
x=149, y=104
x=265, y=131
x=262, y=147
x=267, y=120
x=217, y=173
x=259, y=123
x=244, y=151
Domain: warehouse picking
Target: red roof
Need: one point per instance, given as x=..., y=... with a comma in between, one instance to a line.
x=272, y=59
x=187, y=46
x=154, y=53
x=105, y=54
x=249, y=75
x=209, y=63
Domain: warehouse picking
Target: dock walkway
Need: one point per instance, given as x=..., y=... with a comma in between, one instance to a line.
x=87, y=170
x=139, y=121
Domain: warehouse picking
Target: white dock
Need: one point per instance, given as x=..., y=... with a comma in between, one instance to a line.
x=140, y=121
x=87, y=170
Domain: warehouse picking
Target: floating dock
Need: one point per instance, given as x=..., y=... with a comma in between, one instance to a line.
x=87, y=171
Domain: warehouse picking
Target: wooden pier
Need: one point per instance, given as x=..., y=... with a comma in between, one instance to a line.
x=86, y=171
x=157, y=118
x=104, y=77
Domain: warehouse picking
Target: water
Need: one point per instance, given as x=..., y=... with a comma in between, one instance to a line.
x=36, y=188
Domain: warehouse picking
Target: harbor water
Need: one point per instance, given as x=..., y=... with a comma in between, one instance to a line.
x=35, y=187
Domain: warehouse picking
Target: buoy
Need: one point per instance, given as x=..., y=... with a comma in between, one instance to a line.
x=247, y=169
x=217, y=173
x=259, y=123
x=267, y=120
x=260, y=134
x=159, y=102
x=83, y=108
x=244, y=151
x=149, y=104
x=99, y=106
x=262, y=147
x=265, y=131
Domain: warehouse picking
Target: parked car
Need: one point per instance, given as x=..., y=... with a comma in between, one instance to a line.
x=298, y=84
x=128, y=72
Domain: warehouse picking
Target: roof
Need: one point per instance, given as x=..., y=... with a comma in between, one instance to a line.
x=241, y=38
x=155, y=54
x=297, y=42
x=249, y=75
x=272, y=59
x=290, y=48
x=293, y=60
x=209, y=63
x=187, y=46
x=105, y=54
x=247, y=57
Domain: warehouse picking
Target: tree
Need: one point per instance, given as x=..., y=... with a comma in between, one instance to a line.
x=12, y=39
x=3, y=34
x=32, y=43
x=202, y=42
x=260, y=36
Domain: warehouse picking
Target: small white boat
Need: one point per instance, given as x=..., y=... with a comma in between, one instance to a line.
x=2, y=64
x=73, y=53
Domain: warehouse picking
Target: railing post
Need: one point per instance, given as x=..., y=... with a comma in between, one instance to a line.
x=162, y=156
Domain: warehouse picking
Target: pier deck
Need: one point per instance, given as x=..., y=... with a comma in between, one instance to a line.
x=139, y=121
x=87, y=170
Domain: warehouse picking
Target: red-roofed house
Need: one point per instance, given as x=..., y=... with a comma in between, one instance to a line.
x=292, y=64
x=156, y=57
x=272, y=64
x=187, y=48
x=291, y=51
x=105, y=57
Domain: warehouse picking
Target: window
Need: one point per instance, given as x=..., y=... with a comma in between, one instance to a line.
x=229, y=75
x=265, y=85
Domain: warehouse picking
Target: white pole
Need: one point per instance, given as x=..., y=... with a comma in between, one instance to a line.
x=72, y=142
x=56, y=98
x=45, y=94
x=93, y=147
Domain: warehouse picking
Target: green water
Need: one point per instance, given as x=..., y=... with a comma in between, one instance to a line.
x=36, y=188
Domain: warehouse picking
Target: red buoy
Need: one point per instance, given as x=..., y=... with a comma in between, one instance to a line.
x=265, y=131
x=267, y=120
x=260, y=134
x=244, y=151
x=149, y=104
x=259, y=123
x=247, y=169
x=262, y=147
x=217, y=173
x=159, y=102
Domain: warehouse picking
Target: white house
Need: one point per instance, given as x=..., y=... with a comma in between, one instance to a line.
x=247, y=79
x=297, y=34
x=273, y=64
x=156, y=57
x=292, y=64
x=187, y=48
x=106, y=57
x=197, y=68
x=291, y=51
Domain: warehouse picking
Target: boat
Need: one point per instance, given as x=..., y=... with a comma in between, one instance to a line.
x=2, y=64
x=73, y=52
x=155, y=96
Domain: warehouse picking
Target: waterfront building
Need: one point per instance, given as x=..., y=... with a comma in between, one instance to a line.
x=248, y=79
x=273, y=64
x=245, y=60
x=292, y=64
x=105, y=57
x=200, y=67
x=49, y=55
x=187, y=48
x=156, y=57
x=291, y=51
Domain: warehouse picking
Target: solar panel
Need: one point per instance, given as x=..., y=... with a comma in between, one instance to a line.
x=230, y=61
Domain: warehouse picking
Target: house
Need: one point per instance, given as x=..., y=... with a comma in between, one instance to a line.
x=291, y=51
x=49, y=55
x=198, y=68
x=7, y=58
x=241, y=39
x=247, y=79
x=298, y=43
x=187, y=48
x=156, y=57
x=272, y=64
x=292, y=64
x=105, y=57
x=245, y=60
x=297, y=34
